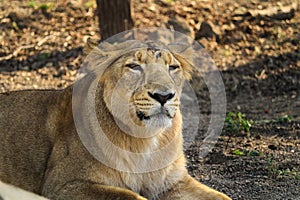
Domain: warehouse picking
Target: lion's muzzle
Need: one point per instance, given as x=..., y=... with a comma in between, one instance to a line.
x=157, y=108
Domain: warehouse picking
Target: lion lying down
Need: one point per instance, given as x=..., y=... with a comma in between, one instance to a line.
x=41, y=151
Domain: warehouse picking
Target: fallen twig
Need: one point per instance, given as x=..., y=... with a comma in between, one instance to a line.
x=279, y=13
x=40, y=43
x=15, y=53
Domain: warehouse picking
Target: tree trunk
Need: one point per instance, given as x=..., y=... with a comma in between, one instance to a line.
x=114, y=17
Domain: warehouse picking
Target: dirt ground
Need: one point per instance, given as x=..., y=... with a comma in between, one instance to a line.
x=255, y=44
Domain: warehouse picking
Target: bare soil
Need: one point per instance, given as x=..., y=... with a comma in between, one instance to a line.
x=255, y=44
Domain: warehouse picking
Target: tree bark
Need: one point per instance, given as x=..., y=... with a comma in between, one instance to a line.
x=114, y=17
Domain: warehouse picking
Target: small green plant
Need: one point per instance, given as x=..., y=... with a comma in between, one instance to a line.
x=46, y=6
x=90, y=4
x=44, y=56
x=237, y=122
x=32, y=4
x=42, y=6
x=277, y=172
x=285, y=118
x=15, y=25
x=245, y=152
x=238, y=152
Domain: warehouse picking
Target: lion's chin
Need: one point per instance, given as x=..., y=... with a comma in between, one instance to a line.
x=160, y=120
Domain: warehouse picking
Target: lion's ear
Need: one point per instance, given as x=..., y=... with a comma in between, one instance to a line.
x=91, y=43
x=185, y=57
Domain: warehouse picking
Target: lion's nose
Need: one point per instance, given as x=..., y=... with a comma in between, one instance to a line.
x=162, y=98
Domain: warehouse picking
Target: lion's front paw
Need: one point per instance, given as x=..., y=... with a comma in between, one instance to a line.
x=220, y=196
x=137, y=197
x=141, y=198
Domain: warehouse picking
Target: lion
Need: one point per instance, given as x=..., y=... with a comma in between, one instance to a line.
x=137, y=104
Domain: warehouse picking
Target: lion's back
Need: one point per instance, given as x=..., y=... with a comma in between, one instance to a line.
x=25, y=141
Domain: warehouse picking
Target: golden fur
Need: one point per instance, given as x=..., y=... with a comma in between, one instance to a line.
x=40, y=150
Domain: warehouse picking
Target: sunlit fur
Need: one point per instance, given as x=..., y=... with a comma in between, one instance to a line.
x=129, y=96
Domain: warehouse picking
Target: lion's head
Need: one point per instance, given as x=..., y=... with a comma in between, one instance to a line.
x=142, y=88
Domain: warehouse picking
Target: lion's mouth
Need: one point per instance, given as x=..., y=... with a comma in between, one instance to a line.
x=162, y=113
x=142, y=116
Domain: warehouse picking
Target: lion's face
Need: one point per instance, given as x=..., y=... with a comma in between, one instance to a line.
x=143, y=88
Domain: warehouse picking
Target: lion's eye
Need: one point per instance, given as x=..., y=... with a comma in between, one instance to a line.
x=173, y=67
x=134, y=66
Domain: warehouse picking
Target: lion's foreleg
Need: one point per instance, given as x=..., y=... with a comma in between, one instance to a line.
x=79, y=191
x=190, y=189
